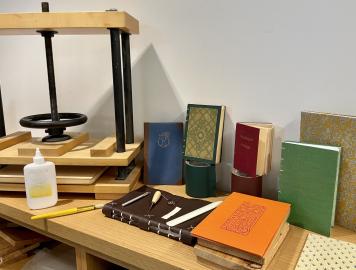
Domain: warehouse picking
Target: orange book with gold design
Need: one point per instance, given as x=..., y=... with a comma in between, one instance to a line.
x=243, y=226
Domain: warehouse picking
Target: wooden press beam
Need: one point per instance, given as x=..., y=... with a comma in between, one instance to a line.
x=67, y=23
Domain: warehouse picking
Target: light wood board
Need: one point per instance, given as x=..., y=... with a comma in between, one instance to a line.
x=19, y=236
x=77, y=175
x=67, y=22
x=106, y=184
x=51, y=149
x=124, y=244
x=14, y=138
x=104, y=148
x=78, y=156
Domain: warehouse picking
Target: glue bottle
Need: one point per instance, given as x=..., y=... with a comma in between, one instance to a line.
x=40, y=183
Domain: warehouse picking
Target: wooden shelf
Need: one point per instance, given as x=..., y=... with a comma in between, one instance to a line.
x=68, y=23
x=78, y=156
x=130, y=246
x=106, y=187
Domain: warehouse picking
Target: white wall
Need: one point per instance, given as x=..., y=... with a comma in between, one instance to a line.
x=264, y=60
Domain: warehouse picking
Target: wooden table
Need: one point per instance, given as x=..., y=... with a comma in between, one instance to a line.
x=99, y=240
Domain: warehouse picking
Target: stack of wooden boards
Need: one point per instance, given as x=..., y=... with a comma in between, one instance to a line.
x=16, y=242
x=244, y=232
x=83, y=165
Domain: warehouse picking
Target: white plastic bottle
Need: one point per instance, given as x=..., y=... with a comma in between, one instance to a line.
x=40, y=183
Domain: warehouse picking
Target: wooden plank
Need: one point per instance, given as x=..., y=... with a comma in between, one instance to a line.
x=5, y=247
x=67, y=23
x=104, y=148
x=106, y=184
x=14, y=138
x=19, y=236
x=51, y=149
x=77, y=175
x=121, y=243
x=86, y=261
x=78, y=156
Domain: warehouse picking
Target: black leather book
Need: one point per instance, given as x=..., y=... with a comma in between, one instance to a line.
x=137, y=214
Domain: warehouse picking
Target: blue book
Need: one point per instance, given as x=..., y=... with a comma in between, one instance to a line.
x=163, y=153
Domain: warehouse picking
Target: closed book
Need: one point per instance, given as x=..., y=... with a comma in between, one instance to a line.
x=219, y=260
x=320, y=252
x=253, y=148
x=203, y=133
x=308, y=180
x=163, y=156
x=339, y=130
x=138, y=214
x=243, y=226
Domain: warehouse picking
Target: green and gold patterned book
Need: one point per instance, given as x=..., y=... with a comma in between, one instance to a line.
x=340, y=130
x=203, y=133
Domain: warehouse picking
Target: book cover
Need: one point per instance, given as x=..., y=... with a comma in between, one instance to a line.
x=308, y=180
x=340, y=130
x=163, y=158
x=253, y=148
x=244, y=223
x=137, y=214
x=246, y=149
x=321, y=252
x=203, y=133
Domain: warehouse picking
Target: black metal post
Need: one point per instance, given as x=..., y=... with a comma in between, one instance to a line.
x=50, y=67
x=2, y=119
x=126, y=63
x=118, y=93
x=50, y=71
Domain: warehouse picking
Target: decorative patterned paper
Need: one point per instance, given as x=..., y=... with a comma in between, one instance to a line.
x=323, y=253
x=338, y=130
x=202, y=133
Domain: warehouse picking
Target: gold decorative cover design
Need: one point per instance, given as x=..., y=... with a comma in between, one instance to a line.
x=202, y=131
x=337, y=130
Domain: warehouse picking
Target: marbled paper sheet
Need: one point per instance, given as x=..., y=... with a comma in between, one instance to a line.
x=336, y=130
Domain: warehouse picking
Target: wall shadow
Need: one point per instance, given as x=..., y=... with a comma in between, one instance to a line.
x=154, y=99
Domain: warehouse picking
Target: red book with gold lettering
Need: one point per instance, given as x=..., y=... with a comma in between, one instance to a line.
x=246, y=149
x=253, y=147
x=243, y=226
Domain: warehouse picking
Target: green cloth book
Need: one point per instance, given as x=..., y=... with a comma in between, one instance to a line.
x=340, y=130
x=203, y=133
x=308, y=180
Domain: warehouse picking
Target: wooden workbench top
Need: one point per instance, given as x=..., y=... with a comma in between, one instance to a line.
x=129, y=246
x=67, y=22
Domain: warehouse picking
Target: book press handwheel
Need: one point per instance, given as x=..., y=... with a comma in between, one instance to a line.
x=54, y=123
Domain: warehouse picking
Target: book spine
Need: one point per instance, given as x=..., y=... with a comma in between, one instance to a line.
x=280, y=178
x=185, y=132
x=146, y=224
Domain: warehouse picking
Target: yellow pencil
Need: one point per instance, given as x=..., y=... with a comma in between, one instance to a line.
x=68, y=211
